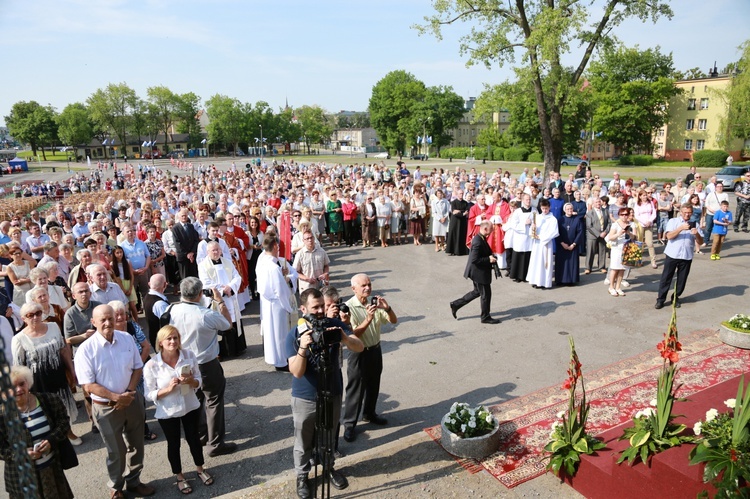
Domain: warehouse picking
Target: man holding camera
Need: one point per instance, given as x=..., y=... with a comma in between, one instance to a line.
x=302, y=354
x=364, y=369
x=479, y=270
x=681, y=238
x=199, y=328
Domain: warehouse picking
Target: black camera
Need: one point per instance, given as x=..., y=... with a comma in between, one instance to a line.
x=208, y=293
x=322, y=335
x=343, y=307
x=691, y=225
x=496, y=269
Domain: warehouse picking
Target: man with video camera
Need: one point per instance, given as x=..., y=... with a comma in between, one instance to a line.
x=313, y=350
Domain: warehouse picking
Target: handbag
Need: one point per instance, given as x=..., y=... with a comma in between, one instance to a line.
x=68, y=456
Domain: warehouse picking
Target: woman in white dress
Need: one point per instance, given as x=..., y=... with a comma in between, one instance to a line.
x=18, y=273
x=441, y=208
x=619, y=234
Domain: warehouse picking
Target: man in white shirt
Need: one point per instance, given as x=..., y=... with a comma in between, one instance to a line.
x=712, y=205
x=108, y=366
x=102, y=290
x=311, y=263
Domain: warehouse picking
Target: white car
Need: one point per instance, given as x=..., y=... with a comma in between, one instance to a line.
x=382, y=155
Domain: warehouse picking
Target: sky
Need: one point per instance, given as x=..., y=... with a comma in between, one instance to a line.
x=328, y=53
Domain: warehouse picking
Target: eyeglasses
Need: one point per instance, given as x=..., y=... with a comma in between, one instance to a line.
x=33, y=315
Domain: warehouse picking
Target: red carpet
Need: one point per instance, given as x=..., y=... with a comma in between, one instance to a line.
x=616, y=393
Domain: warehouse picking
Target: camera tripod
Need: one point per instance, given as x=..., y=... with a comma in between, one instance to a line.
x=325, y=423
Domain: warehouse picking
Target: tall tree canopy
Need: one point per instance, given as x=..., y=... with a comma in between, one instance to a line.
x=229, y=121
x=392, y=108
x=631, y=90
x=34, y=124
x=314, y=125
x=164, y=105
x=111, y=110
x=737, y=122
x=74, y=125
x=541, y=32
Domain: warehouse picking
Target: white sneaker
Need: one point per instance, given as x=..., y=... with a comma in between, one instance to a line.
x=606, y=280
x=76, y=441
x=625, y=283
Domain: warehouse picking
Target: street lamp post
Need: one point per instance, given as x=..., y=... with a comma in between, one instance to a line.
x=261, y=143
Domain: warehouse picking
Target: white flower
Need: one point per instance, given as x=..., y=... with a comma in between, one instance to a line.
x=649, y=412
x=561, y=414
x=555, y=424
x=697, y=428
x=730, y=403
x=711, y=415
x=472, y=424
x=489, y=419
x=653, y=403
x=472, y=412
x=454, y=407
x=463, y=428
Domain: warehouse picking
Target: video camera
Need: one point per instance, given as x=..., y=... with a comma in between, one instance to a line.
x=322, y=335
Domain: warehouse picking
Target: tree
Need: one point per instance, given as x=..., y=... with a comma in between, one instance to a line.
x=631, y=90
x=355, y=120
x=392, y=108
x=442, y=108
x=186, y=114
x=164, y=105
x=736, y=124
x=287, y=126
x=228, y=121
x=110, y=110
x=32, y=123
x=690, y=74
x=74, y=125
x=541, y=32
x=315, y=127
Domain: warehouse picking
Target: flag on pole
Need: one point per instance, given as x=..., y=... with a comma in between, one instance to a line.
x=104, y=142
x=203, y=141
x=429, y=139
x=419, y=139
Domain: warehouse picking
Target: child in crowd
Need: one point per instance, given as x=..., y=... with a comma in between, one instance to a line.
x=722, y=220
x=664, y=207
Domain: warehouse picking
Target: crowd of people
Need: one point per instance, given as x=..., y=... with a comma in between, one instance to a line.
x=79, y=276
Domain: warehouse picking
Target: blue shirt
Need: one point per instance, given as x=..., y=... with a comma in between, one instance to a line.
x=306, y=387
x=682, y=246
x=79, y=231
x=721, y=216
x=136, y=253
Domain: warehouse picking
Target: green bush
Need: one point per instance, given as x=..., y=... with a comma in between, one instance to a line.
x=709, y=158
x=453, y=152
x=636, y=160
x=516, y=154
x=535, y=157
x=498, y=153
x=481, y=153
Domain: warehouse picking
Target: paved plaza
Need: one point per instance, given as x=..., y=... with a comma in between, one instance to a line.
x=430, y=361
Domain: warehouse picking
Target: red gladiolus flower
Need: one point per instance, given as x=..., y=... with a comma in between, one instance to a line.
x=567, y=384
x=674, y=357
x=733, y=455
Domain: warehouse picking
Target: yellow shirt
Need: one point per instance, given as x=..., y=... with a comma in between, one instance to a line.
x=358, y=315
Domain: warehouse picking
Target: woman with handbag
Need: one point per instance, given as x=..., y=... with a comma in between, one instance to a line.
x=172, y=377
x=619, y=234
x=46, y=427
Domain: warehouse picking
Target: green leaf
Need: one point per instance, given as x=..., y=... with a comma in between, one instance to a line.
x=640, y=438
x=581, y=445
x=644, y=454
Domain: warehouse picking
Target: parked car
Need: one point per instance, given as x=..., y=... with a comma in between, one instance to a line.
x=731, y=176
x=382, y=155
x=418, y=157
x=569, y=159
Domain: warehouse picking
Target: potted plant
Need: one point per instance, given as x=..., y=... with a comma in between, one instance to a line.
x=469, y=432
x=724, y=445
x=736, y=331
x=569, y=439
x=653, y=429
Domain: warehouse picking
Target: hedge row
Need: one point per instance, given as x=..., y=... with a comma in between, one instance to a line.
x=636, y=160
x=709, y=158
x=496, y=153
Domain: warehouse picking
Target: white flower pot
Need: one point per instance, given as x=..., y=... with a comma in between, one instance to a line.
x=473, y=447
x=734, y=338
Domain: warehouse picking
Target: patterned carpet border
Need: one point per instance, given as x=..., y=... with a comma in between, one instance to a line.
x=615, y=392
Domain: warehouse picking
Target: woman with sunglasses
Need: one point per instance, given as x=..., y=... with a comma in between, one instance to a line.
x=41, y=348
x=619, y=234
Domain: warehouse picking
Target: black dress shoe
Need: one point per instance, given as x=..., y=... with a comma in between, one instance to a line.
x=223, y=449
x=375, y=419
x=338, y=480
x=736, y=230
x=303, y=487
x=491, y=320
x=454, y=309
x=677, y=304
x=204, y=440
x=659, y=305
x=349, y=435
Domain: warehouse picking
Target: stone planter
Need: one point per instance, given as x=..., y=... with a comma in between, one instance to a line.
x=734, y=338
x=474, y=447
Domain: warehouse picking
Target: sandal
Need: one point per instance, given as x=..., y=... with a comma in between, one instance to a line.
x=206, y=478
x=184, y=487
x=613, y=292
x=620, y=292
x=150, y=436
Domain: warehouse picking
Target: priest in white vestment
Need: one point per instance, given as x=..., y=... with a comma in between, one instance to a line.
x=542, y=262
x=277, y=303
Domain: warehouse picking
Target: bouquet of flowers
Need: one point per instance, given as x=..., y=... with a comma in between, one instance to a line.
x=467, y=422
x=569, y=439
x=632, y=254
x=724, y=445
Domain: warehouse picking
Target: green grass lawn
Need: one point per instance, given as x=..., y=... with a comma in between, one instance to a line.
x=29, y=156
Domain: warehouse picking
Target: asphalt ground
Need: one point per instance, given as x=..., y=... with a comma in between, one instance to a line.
x=430, y=361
